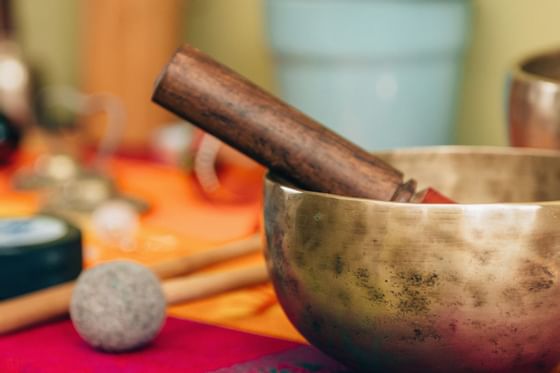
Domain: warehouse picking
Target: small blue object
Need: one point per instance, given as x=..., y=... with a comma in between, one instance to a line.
x=384, y=73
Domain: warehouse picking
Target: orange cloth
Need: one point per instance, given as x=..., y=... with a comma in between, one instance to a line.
x=181, y=221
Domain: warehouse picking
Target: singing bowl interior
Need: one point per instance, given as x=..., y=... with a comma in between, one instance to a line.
x=542, y=66
x=386, y=286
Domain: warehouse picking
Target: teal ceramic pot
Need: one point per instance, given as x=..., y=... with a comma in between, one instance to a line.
x=384, y=73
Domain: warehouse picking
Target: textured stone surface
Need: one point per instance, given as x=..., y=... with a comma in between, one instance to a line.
x=118, y=306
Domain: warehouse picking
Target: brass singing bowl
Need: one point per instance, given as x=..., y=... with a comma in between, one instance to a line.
x=395, y=287
x=534, y=101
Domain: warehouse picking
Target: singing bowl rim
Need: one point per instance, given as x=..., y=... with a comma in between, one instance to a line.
x=441, y=149
x=520, y=72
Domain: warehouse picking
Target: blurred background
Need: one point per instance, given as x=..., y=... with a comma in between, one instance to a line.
x=76, y=79
x=83, y=146
x=87, y=44
x=80, y=137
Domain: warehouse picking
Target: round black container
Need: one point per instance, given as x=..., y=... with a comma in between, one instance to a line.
x=10, y=137
x=37, y=252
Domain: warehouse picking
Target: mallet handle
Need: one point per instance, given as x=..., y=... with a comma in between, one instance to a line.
x=189, y=288
x=35, y=307
x=228, y=106
x=191, y=263
x=54, y=302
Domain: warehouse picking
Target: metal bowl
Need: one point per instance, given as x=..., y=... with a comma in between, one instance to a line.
x=534, y=101
x=384, y=286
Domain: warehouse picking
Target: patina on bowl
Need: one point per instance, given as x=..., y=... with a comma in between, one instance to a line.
x=384, y=286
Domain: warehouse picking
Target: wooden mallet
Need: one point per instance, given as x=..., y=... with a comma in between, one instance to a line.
x=273, y=133
x=121, y=305
x=53, y=302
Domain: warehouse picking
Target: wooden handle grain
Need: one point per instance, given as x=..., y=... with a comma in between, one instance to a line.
x=278, y=136
x=54, y=302
x=189, y=288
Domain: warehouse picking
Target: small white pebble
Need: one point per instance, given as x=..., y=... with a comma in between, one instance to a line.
x=116, y=222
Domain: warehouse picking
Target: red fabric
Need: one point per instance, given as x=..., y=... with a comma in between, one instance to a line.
x=182, y=346
x=433, y=196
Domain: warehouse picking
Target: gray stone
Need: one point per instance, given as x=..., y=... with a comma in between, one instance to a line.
x=118, y=306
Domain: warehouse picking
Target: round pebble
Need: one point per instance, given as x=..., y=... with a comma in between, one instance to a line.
x=118, y=306
x=116, y=222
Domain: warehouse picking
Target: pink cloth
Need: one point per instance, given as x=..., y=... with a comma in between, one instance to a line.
x=182, y=346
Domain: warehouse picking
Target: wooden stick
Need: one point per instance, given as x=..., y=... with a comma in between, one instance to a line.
x=35, y=307
x=189, y=288
x=191, y=263
x=275, y=134
x=54, y=302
